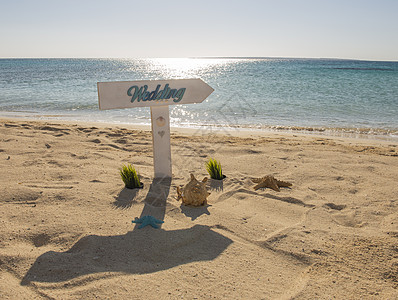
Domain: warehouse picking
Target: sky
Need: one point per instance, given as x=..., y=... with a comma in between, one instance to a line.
x=350, y=29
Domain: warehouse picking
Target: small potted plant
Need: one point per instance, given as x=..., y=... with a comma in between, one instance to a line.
x=214, y=169
x=130, y=177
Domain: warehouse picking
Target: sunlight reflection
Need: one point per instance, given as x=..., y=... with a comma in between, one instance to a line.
x=185, y=67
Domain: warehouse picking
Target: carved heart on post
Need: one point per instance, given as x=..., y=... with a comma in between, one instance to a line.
x=161, y=133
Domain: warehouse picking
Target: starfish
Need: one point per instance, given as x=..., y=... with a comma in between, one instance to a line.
x=270, y=182
x=147, y=220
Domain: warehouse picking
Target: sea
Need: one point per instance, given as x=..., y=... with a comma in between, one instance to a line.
x=322, y=96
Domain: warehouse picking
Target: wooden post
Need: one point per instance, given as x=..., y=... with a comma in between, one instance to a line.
x=161, y=141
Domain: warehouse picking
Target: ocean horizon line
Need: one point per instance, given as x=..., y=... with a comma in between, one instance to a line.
x=210, y=57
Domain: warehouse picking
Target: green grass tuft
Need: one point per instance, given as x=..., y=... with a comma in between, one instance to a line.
x=130, y=177
x=214, y=169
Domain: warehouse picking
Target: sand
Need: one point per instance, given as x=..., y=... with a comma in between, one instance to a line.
x=66, y=230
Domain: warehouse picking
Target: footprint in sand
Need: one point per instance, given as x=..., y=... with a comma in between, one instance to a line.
x=40, y=239
x=96, y=141
x=335, y=206
x=121, y=141
x=348, y=219
x=86, y=130
x=19, y=195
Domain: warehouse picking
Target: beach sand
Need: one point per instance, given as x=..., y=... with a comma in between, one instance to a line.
x=66, y=230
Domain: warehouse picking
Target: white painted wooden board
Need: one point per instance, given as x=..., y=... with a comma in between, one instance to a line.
x=128, y=94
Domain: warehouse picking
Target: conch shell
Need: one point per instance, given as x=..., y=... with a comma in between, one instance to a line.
x=194, y=193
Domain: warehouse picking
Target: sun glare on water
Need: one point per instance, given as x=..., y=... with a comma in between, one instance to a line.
x=185, y=67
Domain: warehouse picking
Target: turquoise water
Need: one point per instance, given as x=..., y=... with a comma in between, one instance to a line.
x=318, y=94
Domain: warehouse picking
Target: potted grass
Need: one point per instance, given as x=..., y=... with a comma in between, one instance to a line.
x=214, y=169
x=130, y=177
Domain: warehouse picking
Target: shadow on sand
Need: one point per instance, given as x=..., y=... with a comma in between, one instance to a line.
x=126, y=198
x=155, y=200
x=194, y=212
x=216, y=185
x=140, y=251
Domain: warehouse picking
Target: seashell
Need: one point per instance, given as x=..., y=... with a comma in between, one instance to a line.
x=160, y=121
x=194, y=193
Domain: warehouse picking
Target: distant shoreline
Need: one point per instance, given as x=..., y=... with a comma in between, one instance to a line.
x=356, y=134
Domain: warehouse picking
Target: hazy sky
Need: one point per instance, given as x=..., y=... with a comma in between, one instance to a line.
x=359, y=29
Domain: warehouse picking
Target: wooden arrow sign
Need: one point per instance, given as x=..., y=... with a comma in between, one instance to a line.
x=158, y=94
x=127, y=94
